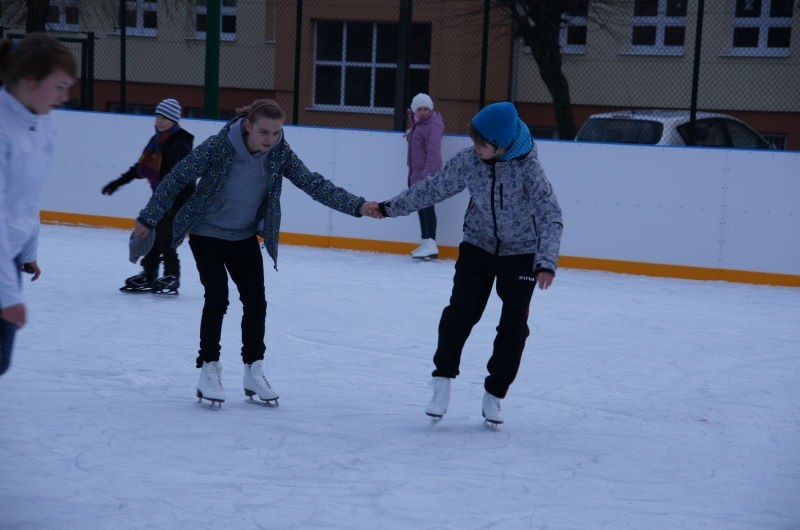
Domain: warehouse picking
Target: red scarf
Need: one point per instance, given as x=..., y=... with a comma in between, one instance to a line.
x=149, y=166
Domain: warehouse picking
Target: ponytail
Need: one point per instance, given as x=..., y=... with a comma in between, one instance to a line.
x=261, y=108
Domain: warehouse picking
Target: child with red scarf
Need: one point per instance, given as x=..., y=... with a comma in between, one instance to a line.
x=165, y=149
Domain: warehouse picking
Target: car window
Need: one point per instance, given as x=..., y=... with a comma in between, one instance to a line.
x=620, y=130
x=744, y=137
x=707, y=133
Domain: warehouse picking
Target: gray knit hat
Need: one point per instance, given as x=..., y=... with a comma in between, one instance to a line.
x=170, y=109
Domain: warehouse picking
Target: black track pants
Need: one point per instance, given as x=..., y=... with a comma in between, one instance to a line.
x=215, y=259
x=476, y=272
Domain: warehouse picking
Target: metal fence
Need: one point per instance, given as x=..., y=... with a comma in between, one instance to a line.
x=336, y=62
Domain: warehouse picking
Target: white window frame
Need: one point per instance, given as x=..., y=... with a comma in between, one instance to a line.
x=343, y=64
x=62, y=24
x=140, y=6
x=763, y=22
x=661, y=21
x=224, y=11
x=572, y=21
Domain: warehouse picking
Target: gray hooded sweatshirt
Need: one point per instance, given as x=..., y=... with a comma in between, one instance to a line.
x=234, y=214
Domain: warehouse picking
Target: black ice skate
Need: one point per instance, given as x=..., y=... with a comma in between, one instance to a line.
x=166, y=285
x=141, y=283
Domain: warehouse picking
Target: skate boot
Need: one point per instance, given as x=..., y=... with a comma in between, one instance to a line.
x=255, y=383
x=141, y=283
x=427, y=250
x=440, y=399
x=166, y=285
x=491, y=410
x=209, y=386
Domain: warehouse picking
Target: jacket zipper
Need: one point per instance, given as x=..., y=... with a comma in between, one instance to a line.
x=494, y=215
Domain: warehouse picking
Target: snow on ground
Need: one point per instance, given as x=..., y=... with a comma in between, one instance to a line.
x=642, y=403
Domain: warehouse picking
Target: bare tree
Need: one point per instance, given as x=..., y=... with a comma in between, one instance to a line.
x=538, y=23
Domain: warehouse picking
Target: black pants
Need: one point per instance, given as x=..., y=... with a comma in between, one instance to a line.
x=427, y=222
x=215, y=259
x=7, y=331
x=162, y=251
x=476, y=271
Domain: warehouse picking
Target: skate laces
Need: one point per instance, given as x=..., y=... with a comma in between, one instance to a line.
x=214, y=376
x=259, y=377
x=493, y=402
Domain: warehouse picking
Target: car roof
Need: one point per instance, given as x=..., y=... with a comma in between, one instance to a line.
x=662, y=115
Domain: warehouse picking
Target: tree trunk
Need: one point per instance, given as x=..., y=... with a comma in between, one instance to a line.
x=539, y=25
x=37, y=15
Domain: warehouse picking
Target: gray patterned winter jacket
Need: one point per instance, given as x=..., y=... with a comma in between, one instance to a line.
x=512, y=208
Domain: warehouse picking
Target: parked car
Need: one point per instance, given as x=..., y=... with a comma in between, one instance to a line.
x=670, y=127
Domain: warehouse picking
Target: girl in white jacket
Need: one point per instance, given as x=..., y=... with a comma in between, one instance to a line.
x=36, y=74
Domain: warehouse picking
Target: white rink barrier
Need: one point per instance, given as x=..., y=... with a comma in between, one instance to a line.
x=668, y=211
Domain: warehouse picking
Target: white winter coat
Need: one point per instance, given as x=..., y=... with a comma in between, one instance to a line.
x=26, y=159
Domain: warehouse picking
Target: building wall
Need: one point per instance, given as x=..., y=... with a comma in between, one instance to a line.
x=455, y=57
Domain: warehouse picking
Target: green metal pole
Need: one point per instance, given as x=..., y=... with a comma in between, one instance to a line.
x=213, y=28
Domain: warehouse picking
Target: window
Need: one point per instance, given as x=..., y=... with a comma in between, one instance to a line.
x=355, y=64
x=762, y=27
x=776, y=140
x=228, y=19
x=658, y=27
x=573, y=27
x=62, y=15
x=141, y=17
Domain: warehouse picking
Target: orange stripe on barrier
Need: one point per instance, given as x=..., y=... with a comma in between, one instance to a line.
x=394, y=247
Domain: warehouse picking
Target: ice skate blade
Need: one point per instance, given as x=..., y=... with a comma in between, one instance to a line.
x=165, y=293
x=272, y=403
x=435, y=418
x=134, y=290
x=211, y=402
x=432, y=257
x=491, y=424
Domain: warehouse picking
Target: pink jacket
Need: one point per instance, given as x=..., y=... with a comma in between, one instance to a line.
x=425, y=147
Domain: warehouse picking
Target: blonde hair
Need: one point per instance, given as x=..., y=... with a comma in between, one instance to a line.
x=261, y=108
x=36, y=56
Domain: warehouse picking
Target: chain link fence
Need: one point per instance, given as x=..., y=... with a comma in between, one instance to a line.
x=336, y=62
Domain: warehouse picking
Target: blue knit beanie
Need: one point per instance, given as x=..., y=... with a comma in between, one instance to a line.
x=499, y=123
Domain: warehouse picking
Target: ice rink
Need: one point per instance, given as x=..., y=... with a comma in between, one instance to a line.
x=642, y=403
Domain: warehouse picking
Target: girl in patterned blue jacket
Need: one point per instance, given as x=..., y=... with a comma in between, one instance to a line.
x=512, y=233
x=239, y=174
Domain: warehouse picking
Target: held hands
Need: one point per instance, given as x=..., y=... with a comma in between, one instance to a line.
x=370, y=209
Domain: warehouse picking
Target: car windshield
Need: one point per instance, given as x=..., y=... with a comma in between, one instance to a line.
x=620, y=130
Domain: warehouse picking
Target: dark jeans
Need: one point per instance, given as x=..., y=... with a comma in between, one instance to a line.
x=7, y=330
x=427, y=222
x=476, y=271
x=215, y=259
x=162, y=251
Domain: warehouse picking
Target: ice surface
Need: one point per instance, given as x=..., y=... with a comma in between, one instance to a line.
x=641, y=403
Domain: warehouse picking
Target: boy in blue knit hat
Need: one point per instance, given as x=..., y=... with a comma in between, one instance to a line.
x=512, y=234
